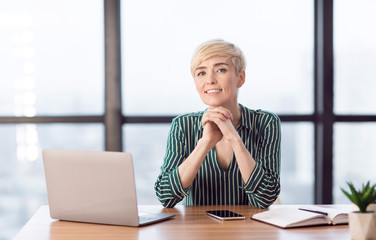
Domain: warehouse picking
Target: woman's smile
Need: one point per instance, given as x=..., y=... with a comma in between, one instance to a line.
x=213, y=91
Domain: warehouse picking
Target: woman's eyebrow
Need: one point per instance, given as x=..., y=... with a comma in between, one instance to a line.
x=215, y=65
x=199, y=68
x=219, y=64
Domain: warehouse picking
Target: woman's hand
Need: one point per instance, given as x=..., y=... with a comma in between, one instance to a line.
x=211, y=134
x=222, y=119
x=217, y=124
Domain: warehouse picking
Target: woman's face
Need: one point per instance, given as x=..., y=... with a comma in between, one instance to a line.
x=217, y=82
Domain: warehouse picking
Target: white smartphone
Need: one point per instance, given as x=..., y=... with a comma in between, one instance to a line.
x=225, y=215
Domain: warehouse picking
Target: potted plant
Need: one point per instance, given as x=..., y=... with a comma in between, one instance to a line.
x=372, y=207
x=362, y=223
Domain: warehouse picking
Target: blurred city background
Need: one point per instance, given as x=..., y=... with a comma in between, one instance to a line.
x=52, y=64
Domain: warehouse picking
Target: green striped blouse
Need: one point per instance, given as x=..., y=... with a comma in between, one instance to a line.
x=260, y=132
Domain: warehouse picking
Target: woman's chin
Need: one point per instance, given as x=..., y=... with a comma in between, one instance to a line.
x=213, y=103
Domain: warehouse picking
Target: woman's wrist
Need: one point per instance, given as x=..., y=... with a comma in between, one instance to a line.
x=206, y=143
x=236, y=142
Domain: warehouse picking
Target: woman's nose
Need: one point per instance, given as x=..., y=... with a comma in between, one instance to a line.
x=210, y=79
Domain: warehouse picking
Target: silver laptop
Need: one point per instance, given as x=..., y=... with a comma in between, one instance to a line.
x=94, y=187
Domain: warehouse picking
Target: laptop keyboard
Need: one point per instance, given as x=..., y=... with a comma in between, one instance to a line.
x=143, y=217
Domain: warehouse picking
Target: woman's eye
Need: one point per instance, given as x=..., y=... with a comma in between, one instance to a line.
x=222, y=70
x=201, y=74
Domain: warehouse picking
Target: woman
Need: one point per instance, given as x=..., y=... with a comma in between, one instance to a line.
x=227, y=154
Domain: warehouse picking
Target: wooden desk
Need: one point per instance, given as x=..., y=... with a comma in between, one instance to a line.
x=189, y=223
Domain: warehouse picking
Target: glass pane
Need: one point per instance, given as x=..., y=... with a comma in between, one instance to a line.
x=354, y=156
x=52, y=56
x=159, y=38
x=297, y=171
x=297, y=163
x=148, y=153
x=355, y=56
x=22, y=185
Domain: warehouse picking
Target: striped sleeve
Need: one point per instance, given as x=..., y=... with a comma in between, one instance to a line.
x=263, y=185
x=168, y=186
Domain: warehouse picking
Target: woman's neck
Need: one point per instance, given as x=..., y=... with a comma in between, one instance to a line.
x=237, y=115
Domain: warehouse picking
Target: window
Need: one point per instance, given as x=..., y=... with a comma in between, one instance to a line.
x=354, y=153
x=51, y=51
x=51, y=79
x=279, y=77
x=52, y=91
x=355, y=57
x=354, y=156
x=296, y=168
x=22, y=188
x=158, y=40
x=147, y=153
x=297, y=163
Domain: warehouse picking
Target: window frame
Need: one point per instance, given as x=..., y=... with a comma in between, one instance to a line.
x=323, y=116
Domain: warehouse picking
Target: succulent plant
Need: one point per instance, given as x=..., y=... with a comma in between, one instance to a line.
x=362, y=197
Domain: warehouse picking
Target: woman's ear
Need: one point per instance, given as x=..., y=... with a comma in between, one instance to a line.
x=241, y=79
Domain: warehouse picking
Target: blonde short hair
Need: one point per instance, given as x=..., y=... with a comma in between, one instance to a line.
x=218, y=48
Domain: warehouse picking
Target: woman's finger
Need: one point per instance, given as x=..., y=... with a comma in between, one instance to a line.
x=214, y=116
x=221, y=110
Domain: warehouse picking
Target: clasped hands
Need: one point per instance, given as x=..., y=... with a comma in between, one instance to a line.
x=218, y=125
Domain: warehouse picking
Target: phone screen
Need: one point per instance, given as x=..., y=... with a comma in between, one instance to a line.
x=225, y=215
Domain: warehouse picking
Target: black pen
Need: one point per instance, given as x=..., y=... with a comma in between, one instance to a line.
x=313, y=211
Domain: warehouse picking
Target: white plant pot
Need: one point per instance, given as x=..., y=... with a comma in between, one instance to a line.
x=371, y=207
x=362, y=225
